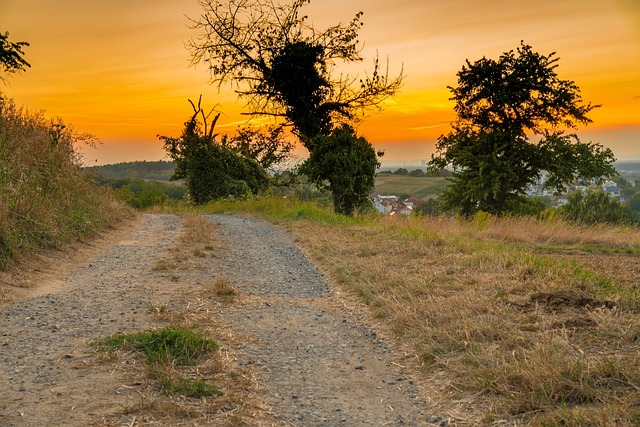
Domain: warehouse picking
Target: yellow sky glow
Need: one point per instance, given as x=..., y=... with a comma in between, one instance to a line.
x=119, y=69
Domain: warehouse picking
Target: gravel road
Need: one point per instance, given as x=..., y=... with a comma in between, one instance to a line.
x=315, y=363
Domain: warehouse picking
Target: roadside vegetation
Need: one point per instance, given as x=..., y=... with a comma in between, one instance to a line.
x=509, y=320
x=45, y=198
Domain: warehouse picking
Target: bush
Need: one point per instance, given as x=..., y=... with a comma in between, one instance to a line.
x=593, y=207
x=209, y=169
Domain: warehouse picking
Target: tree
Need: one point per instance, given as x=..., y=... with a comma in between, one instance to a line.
x=594, y=207
x=345, y=163
x=266, y=146
x=498, y=105
x=283, y=66
x=210, y=170
x=11, y=55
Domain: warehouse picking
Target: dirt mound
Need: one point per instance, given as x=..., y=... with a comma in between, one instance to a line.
x=559, y=300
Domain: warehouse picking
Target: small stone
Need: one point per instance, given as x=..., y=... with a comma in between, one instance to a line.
x=359, y=367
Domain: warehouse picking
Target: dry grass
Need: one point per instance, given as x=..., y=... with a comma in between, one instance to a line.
x=197, y=242
x=505, y=332
x=45, y=199
x=222, y=289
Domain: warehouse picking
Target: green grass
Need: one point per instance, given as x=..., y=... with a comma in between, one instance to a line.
x=190, y=388
x=165, y=350
x=418, y=187
x=167, y=345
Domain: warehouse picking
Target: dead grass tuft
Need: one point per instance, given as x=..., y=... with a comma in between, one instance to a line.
x=222, y=288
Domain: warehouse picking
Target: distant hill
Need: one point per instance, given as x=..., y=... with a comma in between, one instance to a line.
x=157, y=171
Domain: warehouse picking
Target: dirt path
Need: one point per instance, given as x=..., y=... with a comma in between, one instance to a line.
x=315, y=362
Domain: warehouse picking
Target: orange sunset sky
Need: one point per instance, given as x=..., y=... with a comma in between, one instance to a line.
x=118, y=69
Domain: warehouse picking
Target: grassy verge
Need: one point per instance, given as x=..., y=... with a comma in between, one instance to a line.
x=45, y=199
x=504, y=332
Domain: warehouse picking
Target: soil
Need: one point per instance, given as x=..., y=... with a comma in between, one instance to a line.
x=314, y=356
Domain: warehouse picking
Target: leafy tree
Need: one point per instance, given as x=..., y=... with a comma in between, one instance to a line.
x=634, y=203
x=209, y=169
x=416, y=173
x=594, y=207
x=432, y=207
x=401, y=171
x=346, y=164
x=11, y=55
x=282, y=65
x=499, y=104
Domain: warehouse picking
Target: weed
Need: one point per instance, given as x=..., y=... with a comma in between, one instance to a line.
x=167, y=345
x=190, y=388
x=222, y=288
x=163, y=265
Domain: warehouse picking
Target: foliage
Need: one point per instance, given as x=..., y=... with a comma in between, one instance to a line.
x=345, y=164
x=282, y=65
x=144, y=199
x=593, y=207
x=417, y=173
x=268, y=147
x=432, y=207
x=11, y=55
x=634, y=203
x=401, y=171
x=45, y=198
x=159, y=170
x=209, y=169
x=498, y=103
x=141, y=193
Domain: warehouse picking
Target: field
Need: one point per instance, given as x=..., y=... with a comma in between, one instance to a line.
x=509, y=321
x=419, y=187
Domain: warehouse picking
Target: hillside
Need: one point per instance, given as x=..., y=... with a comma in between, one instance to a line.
x=158, y=170
x=410, y=186
x=509, y=321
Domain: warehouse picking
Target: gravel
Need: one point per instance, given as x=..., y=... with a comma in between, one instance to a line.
x=315, y=362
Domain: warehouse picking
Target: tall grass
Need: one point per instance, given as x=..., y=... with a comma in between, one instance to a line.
x=45, y=199
x=505, y=331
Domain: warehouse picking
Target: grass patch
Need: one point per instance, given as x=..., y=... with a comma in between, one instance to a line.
x=190, y=388
x=170, y=345
x=222, y=288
